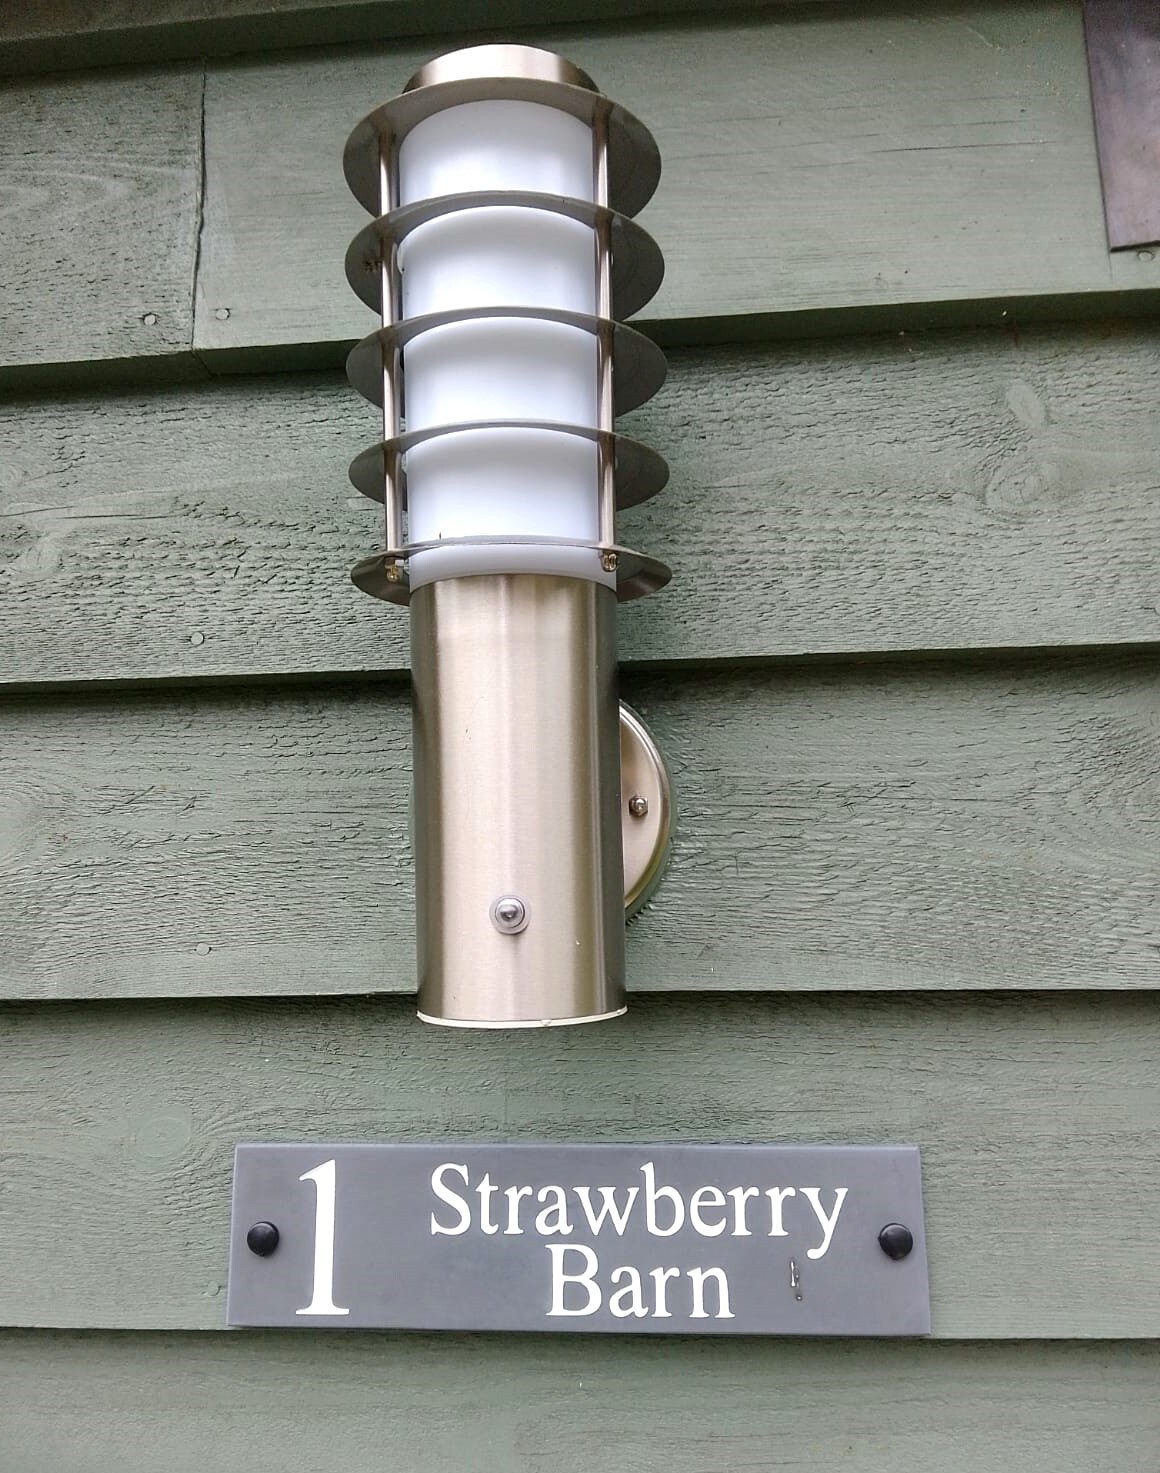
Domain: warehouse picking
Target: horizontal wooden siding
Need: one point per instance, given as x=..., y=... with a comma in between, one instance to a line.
x=906, y=680
x=867, y=827
x=929, y=492
x=496, y=1404
x=1037, y=1119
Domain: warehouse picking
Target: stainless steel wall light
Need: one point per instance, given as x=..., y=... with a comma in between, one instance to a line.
x=502, y=250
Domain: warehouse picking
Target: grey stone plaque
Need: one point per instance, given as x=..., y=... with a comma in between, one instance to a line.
x=672, y=1239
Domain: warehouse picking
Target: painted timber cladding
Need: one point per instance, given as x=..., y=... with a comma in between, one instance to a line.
x=911, y=898
x=825, y=166
x=834, y=160
x=992, y=1086
x=887, y=826
x=935, y=492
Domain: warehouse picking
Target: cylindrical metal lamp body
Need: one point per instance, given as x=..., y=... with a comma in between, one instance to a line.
x=504, y=186
x=516, y=798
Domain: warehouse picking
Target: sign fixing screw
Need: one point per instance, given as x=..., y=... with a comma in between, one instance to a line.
x=262, y=1239
x=638, y=806
x=896, y=1240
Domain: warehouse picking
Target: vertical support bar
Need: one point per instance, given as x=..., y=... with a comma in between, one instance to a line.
x=389, y=290
x=604, y=402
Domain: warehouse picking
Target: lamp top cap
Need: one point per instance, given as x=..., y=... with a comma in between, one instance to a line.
x=473, y=62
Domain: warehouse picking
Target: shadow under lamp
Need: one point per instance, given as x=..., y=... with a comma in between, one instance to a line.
x=502, y=251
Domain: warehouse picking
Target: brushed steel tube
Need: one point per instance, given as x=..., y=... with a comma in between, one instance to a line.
x=516, y=794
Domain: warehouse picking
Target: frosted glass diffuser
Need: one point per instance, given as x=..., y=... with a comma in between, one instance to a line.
x=495, y=261
x=500, y=368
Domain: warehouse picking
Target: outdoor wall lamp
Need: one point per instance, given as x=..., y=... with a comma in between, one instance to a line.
x=503, y=182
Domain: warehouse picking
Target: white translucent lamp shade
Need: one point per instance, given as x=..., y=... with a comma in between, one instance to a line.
x=500, y=368
x=498, y=483
x=497, y=145
x=498, y=257
x=489, y=483
x=516, y=482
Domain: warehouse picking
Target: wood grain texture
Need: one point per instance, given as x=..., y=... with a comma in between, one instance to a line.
x=84, y=1403
x=1037, y=1117
x=99, y=218
x=963, y=490
x=52, y=35
x=822, y=161
x=860, y=828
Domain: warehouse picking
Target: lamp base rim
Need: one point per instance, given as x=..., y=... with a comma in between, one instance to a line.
x=494, y=1023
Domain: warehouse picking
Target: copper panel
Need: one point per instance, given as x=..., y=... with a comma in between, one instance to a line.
x=1123, y=47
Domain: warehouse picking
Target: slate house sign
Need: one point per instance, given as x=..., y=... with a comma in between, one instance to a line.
x=678, y=1239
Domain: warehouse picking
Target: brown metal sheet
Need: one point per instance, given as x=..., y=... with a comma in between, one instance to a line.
x=1123, y=48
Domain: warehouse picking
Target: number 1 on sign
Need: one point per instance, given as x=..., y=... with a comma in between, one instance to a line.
x=323, y=1299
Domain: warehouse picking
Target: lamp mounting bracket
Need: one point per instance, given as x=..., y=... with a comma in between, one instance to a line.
x=646, y=810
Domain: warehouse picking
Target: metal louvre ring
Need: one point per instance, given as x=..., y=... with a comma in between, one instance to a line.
x=384, y=574
x=640, y=472
x=500, y=59
x=634, y=161
x=639, y=366
x=638, y=267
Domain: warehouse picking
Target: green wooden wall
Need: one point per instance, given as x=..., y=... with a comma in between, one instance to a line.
x=906, y=679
